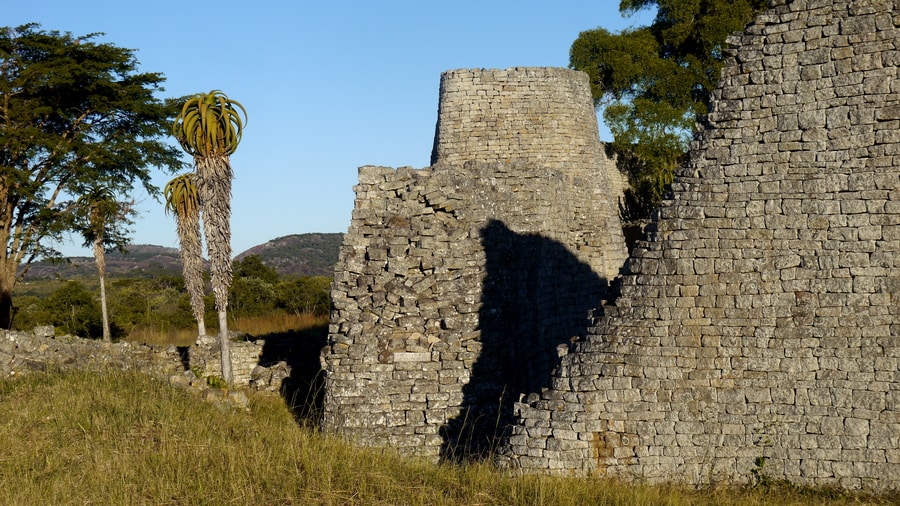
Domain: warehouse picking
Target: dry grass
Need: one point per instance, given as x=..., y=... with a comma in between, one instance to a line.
x=125, y=438
x=277, y=323
x=256, y=326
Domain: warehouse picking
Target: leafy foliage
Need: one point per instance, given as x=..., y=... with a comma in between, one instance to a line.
x=210, y=124
x=306, y=295
x=655, y=81
x=209, y=127
x=74, y=114
x=258, y=290
x=252, y=266
x=181, y=195
x=161, y=303
x=74, y=310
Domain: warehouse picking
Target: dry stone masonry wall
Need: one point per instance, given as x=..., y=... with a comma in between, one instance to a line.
x=42, y=350
x=758, y=330
x=457, y=283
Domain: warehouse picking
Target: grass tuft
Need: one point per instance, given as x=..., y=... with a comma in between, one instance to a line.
x=126, y=438
x=275, y=323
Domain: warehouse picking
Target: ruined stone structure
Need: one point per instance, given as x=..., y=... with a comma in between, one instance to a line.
x=758, y=328
x=258, y=364
x=756, y=331
x=456, y=283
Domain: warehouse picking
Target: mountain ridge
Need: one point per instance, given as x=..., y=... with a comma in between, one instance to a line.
x=310, y=254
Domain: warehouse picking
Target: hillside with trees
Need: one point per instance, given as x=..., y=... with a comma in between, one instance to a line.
x=300, y=254
x=294, y=255
x=146, y=288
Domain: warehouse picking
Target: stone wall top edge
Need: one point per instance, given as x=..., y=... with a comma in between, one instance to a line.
x=375, y=170
x=463, y=164
x=512, y=71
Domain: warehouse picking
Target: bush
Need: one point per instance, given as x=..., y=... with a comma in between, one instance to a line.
x=73, y=310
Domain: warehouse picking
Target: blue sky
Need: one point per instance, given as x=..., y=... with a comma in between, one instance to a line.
x=328, y=86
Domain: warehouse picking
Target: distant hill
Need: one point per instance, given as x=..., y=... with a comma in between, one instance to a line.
x=300, y=255
x=140, y=260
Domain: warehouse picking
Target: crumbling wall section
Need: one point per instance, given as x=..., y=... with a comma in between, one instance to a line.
x=440, y=317
x=459, y=285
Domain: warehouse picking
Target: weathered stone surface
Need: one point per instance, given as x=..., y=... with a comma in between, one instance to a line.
x=186, y=367
x=771, y=279
x=458, y=283
x=759, y=321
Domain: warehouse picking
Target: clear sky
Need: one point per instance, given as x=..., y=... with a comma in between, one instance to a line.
x=328, y=86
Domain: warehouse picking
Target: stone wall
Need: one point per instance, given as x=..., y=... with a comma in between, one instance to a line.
x=41, y=350
x=544, y=117
x=458, y=285
x=758, y=329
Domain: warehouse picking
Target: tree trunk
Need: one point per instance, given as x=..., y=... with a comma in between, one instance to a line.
x=192, y=261
x=225, y=347
x=5, y=307
x=100, y=258
x=214, y=186
x=8, y=268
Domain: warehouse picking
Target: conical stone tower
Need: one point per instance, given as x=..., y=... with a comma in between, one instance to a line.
x=458, y=284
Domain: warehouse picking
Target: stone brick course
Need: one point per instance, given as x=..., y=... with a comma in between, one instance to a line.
x=439, y=316
x=758, y=328
x=753, y=334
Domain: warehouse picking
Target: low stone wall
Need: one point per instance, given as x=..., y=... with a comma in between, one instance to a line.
x=41, y=350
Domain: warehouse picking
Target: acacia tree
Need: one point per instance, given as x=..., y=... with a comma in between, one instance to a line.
x=209, y=128
x=106, y=219
x=72, y=111
x=183, y=201
x=655, y=81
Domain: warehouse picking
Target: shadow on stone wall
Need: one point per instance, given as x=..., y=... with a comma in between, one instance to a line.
x=537, y=299
x=302, y=385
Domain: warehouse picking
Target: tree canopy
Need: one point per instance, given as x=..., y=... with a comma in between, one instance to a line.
x=654, y=82
x=74, y=114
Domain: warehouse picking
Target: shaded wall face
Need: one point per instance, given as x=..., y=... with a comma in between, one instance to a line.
x=762, y=324
x=454, y=291
x=457, y=283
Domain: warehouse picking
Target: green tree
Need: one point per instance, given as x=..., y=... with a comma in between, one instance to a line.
x=30, y=312
x=73, y=309
x=655, y=81
x=106, y=219
x=157, y=303
x=72, y=112
x=251, y=297
x=252, y=266
x=209, y=128
x=253, y=290
x=183, y=200
x=310, y=295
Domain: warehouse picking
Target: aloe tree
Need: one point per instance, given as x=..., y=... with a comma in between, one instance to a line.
x=209, y=128
x=106, y=219
x=183, y=201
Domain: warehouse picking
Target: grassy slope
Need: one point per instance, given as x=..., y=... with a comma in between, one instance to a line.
x=125, y=438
